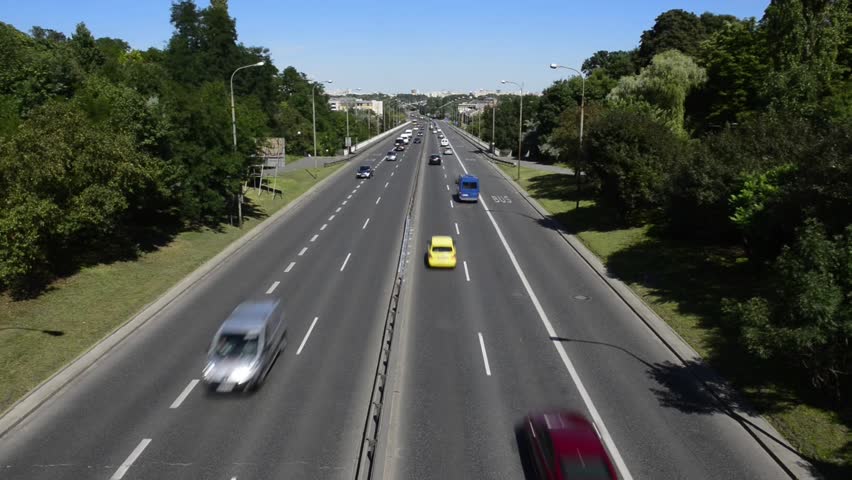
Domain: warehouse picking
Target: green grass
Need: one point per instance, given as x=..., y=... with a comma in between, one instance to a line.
x=685, y=283
x=40, y=335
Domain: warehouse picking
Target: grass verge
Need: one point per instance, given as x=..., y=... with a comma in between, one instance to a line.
x=41, y=335
x=684, y=284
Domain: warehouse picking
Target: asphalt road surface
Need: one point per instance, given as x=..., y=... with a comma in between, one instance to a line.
x=521, y=324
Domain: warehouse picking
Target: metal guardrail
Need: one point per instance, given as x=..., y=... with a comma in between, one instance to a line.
x=483, y=147
x=361, y=147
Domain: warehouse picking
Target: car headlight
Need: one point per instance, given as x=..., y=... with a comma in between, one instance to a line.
x=242, y=374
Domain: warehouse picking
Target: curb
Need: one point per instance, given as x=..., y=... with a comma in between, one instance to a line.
x=781, y=451
x=50, y=387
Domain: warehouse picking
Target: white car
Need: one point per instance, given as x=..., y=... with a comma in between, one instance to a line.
x=445, y=142
x=391, y=156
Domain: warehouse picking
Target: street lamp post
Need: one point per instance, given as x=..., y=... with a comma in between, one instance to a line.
x=234, y=131
x=520, y=122
x=554, y=66
x=314, y=111
x=493, y=126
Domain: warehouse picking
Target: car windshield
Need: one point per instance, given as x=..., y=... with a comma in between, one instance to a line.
x=469, y=185
x=231, y=345
x=580, y=467
x=442, y=249
x=364, y=168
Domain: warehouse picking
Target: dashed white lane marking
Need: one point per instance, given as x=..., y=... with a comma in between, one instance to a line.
x=451, y=203
x=331, y=218
x=386, y=184
x=125, y=466
x=344, y=202
x=192, y=384
x=314, y=238
x=378, y=200
x=466, y=273
x=302, y=252
x=305, y=340
x=353, y=191
x=365, y=224
x=569, y=365
x=392, y=173
x=350, y=196
x=448, y=187
x=323, y=227
x=273, y=286
x=346, y=260
x=338, y=209
x=457, y=229
x=290, y=267
x=484, y=355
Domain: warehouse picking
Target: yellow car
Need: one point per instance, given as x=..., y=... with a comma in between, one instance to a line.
x=441, y=252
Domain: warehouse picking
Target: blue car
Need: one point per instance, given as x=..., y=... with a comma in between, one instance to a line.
x=468, y=188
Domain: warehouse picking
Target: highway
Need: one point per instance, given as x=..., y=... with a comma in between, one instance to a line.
x=522, y=323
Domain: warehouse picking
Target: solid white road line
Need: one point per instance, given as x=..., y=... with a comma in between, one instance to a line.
x=305, y=249
x=305, y=340
x=484, y=355
x=338, y=209
x=344, y=261
x=378, y=200
x=457, y=229
x=323, y=227
x=314, y=238
x=365, y=224
x=466, y=273
x=331, y=218
x=185, y=392
x=125, y=466
x=575, y=377
x=386, y=184
x=290, y=267
x=273, y=286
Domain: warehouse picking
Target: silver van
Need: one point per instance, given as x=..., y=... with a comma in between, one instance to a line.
x=245, y=346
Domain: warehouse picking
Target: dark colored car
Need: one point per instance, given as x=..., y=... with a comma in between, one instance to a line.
x=364, y=171
x=416, y=139
x=564, y=445
x=400, y=148
x=434, y=159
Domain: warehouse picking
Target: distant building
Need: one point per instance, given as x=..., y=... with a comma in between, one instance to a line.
x=339, y=104
x=414, y=91
x=475, y=107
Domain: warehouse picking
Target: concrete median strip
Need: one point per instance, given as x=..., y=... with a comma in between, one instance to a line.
x=62, y=378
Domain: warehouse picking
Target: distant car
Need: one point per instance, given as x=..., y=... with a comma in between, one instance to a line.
x=245, y=346
x=417, y=140
x=434, y=159
x=364, y=171
x=441, y=252
x=400, y=148
x=564, y=445
x=445, y=142
x=448, y=151
x=391, y=156
x=440, y=135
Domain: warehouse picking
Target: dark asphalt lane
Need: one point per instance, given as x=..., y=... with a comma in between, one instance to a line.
x=307, y=419
x=660, y=420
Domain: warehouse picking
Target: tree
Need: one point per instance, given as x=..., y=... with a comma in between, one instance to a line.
x=665, y=84
x=615, y=64
x=85, y=49
x=679, y=30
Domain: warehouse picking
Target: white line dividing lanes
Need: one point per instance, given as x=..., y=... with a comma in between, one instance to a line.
x=484, y=355
x=346, y=260
x=365, y=224
x=386, y=184
x=289, y=267
x=185, y=392
x=466, y=273
x=349, y=197
x=314, y=238
x=331, y=218
x=125, y=466
x=305, y=340
x=457, y=228
x=344, y=202
x=302, y=252
x=448, y=187
x=378, y=200
x=451, y=203
x=273, y=287
x=338, y=209
x=324, y=226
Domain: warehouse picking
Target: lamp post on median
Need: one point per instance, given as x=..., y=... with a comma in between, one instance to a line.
x=554, y=66
x=520, y=122
x=234, y=131
x=314, y=110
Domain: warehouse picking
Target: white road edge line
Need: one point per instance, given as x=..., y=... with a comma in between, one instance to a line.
x=365, y=224
x=575, y=377
x=185, y=392
x=305, y=340
x=378, y=200
x=314, y=238
x=346, y=260
x=125, y=466
x=273, y=287
x=324, y=226
x=466, y=273
x=289, y=267
x=484, y=355
x=302, y=252
x=457, y=229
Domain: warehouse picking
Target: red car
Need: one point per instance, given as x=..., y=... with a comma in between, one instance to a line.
x=564, y=445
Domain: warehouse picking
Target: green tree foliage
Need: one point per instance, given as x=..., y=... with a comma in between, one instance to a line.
x=85, y=50
x=806, y=318
x=678, y=30
x=664, y=84
x=633, y=156
x=614, y=64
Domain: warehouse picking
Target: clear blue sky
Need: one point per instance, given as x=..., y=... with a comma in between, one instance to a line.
x=400, y=45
